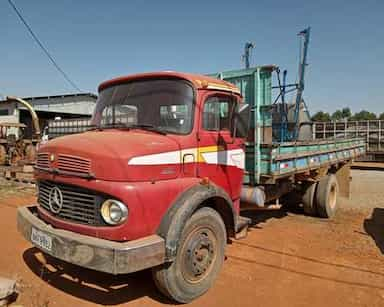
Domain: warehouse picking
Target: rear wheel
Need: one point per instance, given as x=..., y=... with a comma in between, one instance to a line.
x=199, y=258
x=309, y=199
x=326, y=196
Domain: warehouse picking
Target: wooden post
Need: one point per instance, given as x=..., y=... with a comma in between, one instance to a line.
x=334, y=129
x=345, y=128
x=367, y=135
x=379, y=149
x=323, y=130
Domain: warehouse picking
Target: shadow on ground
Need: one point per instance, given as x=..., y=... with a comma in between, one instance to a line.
x=93, y=286
x=260, y=216
x=374, y=226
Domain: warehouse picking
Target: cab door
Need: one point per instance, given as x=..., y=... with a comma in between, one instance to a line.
x=220, y=155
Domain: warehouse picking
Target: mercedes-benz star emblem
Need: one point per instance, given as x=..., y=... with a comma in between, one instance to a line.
x=55, y=200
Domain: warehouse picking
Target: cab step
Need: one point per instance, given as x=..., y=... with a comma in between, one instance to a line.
x=242, y=227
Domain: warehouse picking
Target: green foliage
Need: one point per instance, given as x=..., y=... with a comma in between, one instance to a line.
x=337, y=115
x=321, y=117
x=364, y=115
x=346, y=114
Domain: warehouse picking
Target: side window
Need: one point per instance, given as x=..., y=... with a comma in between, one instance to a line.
x=217, y=113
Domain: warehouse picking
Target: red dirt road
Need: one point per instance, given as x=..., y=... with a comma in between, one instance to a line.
x=287, y=259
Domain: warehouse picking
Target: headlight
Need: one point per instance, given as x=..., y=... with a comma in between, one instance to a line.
x=114, y=212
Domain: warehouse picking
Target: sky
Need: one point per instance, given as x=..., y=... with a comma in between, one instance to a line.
x=95, y=40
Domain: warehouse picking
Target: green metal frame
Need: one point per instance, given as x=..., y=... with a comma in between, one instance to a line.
x=265, y=160
x=255, y=85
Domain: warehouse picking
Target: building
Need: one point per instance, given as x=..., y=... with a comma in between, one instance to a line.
x=47, y=108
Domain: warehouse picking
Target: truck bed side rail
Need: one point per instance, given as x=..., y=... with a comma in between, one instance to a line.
x=286, y=159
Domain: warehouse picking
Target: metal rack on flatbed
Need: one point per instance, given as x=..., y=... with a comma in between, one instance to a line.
x=370, y=130
x=287, y=159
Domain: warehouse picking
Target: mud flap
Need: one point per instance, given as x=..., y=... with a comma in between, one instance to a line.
x=343, y=176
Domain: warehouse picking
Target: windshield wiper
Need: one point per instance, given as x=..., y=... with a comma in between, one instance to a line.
x=147, y=127
x=108, y=126
x=120, y=125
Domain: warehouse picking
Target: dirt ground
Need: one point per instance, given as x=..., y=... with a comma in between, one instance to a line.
x=287, y=259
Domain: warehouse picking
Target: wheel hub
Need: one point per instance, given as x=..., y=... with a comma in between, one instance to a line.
x=200, y=254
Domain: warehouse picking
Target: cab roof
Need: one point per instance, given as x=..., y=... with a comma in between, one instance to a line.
x=199, y=81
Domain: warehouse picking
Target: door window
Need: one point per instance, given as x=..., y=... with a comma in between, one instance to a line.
x=217, y=113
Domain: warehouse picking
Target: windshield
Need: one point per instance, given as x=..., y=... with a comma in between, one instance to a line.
x=162, y=104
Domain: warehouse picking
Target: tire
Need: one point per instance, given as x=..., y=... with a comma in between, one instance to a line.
x=3, y=155
x=326, y=196
x=30, y=153
x=199, y=258
x=309, y=200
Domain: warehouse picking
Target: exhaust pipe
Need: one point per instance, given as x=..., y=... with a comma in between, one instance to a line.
x=261, y=197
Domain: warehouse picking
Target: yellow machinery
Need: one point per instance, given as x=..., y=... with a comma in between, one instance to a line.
x=16, y=150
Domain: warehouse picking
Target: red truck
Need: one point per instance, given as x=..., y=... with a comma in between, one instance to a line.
x=158, y=182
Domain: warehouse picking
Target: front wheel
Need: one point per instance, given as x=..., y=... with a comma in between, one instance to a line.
x=199, y=258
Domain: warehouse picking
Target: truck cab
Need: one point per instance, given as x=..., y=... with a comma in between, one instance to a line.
x=156, y=182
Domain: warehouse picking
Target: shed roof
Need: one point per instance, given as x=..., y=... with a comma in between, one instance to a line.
x=33, y=98
x=79, y=103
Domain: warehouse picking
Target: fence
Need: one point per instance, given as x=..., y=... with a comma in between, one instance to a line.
x=371, y=130
x=63, y=127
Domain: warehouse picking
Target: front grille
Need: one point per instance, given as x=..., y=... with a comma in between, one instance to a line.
x=75, y=164
x=42, y=160
x=79, y=205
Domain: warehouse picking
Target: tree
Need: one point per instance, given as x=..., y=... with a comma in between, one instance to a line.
x=321, y=117
x=343, y=114
x=337, y=115
x=364, y=115
x=346, y=113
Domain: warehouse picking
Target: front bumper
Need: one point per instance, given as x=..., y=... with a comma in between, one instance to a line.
x=94, y=253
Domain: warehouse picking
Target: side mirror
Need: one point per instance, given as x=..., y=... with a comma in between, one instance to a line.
x=241, y=121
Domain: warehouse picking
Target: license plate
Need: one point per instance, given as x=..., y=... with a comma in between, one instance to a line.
x=41, y=239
